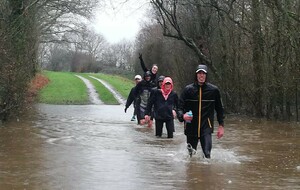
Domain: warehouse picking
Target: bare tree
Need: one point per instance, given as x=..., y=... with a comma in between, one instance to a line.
x=170, y=15
x=23, y=25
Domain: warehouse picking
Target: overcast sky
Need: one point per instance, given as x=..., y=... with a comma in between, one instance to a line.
x=118, y=21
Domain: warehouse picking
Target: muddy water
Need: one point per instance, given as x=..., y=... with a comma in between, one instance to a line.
x=98, y=147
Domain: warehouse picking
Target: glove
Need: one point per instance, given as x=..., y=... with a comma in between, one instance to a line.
x=220, y=132
x=125, y=109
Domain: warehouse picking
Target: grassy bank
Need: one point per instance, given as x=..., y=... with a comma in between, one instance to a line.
x=66, y=88
x=63, y=88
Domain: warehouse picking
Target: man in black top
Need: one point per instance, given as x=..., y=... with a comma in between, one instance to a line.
x=131, y=97
x=203, y=99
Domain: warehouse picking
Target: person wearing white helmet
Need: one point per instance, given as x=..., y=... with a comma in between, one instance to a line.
x=131, y=97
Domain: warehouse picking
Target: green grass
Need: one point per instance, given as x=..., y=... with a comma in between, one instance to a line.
x=63, y=88
x=121, y=84
x=66, y=88
x=104, y=94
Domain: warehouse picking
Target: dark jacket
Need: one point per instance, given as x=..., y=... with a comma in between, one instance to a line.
x=201, y=100
x=142, y=93
x=131, y=98
x=162, y=108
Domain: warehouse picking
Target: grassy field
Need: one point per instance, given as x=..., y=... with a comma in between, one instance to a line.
x=63, y=88
x=66, y=88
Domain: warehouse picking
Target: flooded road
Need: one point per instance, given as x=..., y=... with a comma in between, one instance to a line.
x=98, y=147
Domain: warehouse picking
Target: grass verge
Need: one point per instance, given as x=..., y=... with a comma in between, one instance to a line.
x=66, y=88
x=63, y=88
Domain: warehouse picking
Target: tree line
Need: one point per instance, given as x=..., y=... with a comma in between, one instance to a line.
x=250, y=46
x=24, y=26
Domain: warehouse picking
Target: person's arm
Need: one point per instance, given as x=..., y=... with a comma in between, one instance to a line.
x=142, y=63
x=150, y=103
x=137, y=89
x=130, y=98
x=175, y=105
x=219, y=108
x=220, y=114
x=181, y=105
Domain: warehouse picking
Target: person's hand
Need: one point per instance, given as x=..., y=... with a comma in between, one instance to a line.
x=174, y=114
x=147, y=118
x=220, y=132
x=187, y=117
x=125, y=109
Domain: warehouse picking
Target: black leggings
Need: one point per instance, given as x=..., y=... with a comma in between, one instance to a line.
x=206, y=143
x=159, y=127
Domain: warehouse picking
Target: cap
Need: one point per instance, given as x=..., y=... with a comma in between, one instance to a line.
x=201, y=68
x=138, y=77
x=161, y=78
x=168, y=80
x=147, y=74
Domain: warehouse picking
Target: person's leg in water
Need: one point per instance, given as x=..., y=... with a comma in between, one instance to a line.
x=158, y=127
x=133, y=118
x=134, y=114
x=140, y=116
x=192, y=142
x=170, y=128
x=206, y=144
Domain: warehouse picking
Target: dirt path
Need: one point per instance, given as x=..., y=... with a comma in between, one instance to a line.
x=116, y=94
x=93, y=95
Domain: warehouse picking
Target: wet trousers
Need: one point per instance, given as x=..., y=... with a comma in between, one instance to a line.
x=159, y=127
x=205, y=141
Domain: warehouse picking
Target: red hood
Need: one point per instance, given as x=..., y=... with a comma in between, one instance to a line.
x=167, y=79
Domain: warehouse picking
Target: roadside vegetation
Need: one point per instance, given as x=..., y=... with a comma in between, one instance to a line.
x=66, y=88
x=63, y=88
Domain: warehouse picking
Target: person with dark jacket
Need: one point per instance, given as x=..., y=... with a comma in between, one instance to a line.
x=153, y=69
x=160, y=80
x=142, y=94
x=203, y=99
x=131, y=97
x=165, y=102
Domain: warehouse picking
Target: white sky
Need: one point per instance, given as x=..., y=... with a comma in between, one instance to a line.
x=120, y=19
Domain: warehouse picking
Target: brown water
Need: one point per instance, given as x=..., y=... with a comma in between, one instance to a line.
x=98, y=147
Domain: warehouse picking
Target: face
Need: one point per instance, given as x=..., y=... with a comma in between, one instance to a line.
x=137, y=81
x=160, y=83
x=201, y=77
x=154, y=69
x=147, y=78
x=168, y=86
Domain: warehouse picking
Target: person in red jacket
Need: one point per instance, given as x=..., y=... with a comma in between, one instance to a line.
x=202, y=99
x=165, y=102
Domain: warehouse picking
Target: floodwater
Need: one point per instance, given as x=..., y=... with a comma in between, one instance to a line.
x=98, y=147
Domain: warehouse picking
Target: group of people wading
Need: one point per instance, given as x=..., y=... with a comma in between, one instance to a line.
x=154, y=99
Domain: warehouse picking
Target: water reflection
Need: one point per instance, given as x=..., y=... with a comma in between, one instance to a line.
x=98, y=147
